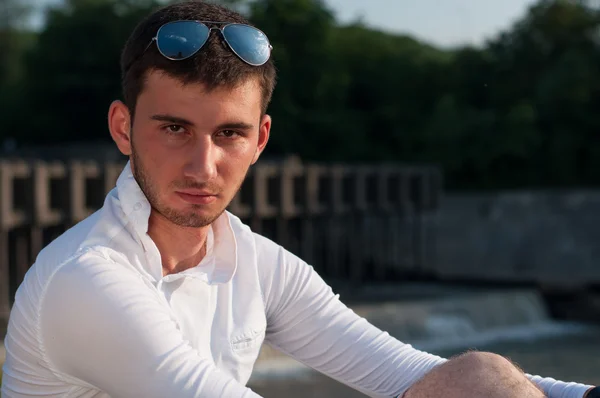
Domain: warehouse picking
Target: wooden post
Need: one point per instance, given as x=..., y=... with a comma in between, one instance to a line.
x=314, y=208
x=362, y=229
x=404, y=254
x=5, y=295
x=43, y=213
x=79, y=172
x=289, y=207
x=9, y=218
x=111, y=174
x=339, y=216
x=263, y=209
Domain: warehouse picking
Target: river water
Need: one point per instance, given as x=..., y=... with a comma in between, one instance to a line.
x=568, y=357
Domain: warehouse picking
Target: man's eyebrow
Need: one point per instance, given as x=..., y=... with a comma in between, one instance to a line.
x=172, y=119
x=185, y=122
x=235, y=126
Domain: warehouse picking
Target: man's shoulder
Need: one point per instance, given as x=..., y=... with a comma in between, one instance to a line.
x=87, y=244
x=244, y=234
x=102, y=231
x=265, y=245
x=53, y=262
x=42, y=275
x=270, y=256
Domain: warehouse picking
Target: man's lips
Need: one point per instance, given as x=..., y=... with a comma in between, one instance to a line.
x=196, y=192
x=196, y=196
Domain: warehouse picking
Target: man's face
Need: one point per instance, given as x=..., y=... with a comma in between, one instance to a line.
x=191, y=149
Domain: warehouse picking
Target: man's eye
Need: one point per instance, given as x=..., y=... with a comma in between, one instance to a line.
x=175, y=129
x=228, y=133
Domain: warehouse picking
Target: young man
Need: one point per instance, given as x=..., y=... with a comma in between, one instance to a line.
x=162, y=293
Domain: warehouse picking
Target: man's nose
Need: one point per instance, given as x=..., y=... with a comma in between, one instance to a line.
x=202, y=165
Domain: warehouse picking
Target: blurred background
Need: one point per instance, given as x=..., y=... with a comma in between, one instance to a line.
x=438, y=162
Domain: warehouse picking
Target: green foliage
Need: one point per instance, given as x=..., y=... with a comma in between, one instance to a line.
x=13, y=40
x=73, y=73
x=521, y=111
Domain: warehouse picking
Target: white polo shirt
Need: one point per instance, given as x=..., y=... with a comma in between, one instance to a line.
x=94, y=317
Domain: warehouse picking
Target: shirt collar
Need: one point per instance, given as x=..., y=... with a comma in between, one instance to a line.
x=220, y=262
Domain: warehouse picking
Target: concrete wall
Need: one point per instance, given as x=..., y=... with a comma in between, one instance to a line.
x=547, y=237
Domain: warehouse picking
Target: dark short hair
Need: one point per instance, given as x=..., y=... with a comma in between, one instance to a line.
x=215, y=65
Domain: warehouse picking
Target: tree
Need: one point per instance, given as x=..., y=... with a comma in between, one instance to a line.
x=13, y=40
x=521, y=111
x=550, y=59
x=309, y=80
x=73, y=73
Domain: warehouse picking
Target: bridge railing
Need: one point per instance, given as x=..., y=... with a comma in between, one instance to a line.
x=351, y=222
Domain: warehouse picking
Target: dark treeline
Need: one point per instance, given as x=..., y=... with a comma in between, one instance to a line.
x=522, y=111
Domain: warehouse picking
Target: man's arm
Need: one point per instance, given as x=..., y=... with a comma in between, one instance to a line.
x=108, y=329
x=559, y=389
x=307, y=321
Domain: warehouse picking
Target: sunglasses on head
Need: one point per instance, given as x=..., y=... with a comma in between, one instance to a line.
x=179, y=40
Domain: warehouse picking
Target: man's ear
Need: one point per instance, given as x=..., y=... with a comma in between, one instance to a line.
x=119, y=124
x=264, y=132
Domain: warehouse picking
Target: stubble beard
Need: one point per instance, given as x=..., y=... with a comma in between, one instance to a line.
x=189, y=219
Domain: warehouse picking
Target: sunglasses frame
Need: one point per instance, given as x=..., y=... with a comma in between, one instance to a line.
x=210, y=29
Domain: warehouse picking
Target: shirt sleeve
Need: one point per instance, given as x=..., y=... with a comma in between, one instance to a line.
x=308, y=322
x=559, y=389
x=105, y=327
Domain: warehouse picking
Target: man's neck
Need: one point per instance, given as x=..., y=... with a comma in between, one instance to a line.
x=180, y=248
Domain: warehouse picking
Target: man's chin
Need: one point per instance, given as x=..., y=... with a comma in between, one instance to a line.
x=192, y=222
x=195, y=219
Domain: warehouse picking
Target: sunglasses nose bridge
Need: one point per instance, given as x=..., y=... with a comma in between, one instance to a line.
x=220, y=30
x=212, y=28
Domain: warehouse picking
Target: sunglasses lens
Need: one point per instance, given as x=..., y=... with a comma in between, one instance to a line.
x=181, y=39
x=248, y=43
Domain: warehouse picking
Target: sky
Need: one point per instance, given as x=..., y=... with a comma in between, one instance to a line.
x=445, y=23
x=441, y=22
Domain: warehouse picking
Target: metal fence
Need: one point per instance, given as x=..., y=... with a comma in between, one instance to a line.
x=353, y=223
